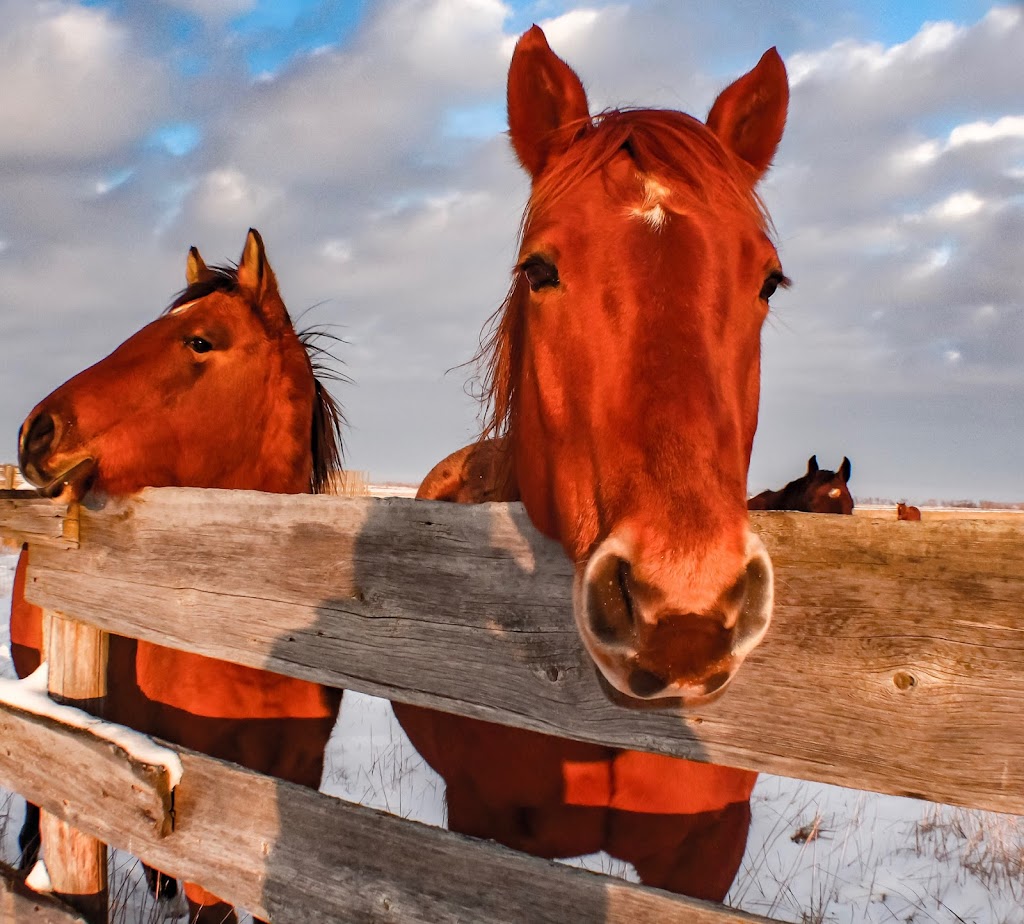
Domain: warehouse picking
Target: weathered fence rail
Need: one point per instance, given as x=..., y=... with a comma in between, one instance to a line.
x=288, y=853
x=895, y=662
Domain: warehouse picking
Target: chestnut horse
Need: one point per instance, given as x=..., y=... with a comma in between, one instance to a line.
x=218, y=392
x=906, y=512
x=624, y=379
x=819, y=491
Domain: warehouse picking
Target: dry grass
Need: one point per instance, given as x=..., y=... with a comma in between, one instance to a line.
x=350, y=483
x=986, y=846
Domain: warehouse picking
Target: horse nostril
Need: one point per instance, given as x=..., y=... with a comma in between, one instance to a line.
x=645, y=684
x=39, y=436
x=610, y=601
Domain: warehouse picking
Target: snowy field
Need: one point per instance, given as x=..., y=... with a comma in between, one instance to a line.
x=816, y=853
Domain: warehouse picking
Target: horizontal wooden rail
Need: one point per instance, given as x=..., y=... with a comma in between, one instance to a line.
x=27, y=517
x=331, y=860
x=43, y=759
x=895, y=662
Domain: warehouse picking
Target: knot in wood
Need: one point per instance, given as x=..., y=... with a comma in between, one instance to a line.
x=904, y=681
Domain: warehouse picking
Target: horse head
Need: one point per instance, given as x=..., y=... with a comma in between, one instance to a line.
x=626, y=365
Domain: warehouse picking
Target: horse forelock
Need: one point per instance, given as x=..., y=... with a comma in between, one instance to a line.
x=671, y=149
x=218, y=279
x=677, y=158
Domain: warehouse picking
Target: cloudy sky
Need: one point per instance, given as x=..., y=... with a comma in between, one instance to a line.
x=364, y=139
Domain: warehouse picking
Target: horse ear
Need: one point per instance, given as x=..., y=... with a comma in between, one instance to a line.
x=254, y=270
x=195, y=269
x=845, y=470
x=749, y=115
x=256, y=276
x=546, y=100
x=812, y=464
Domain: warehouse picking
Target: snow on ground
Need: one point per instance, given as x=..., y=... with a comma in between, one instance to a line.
x=816, y=853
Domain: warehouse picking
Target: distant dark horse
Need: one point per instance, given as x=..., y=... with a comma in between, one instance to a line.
x=904, y=512
x=819, y=491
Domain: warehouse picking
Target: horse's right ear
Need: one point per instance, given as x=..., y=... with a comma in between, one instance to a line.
x=195, y=269
x=845, y=470
x=812, y=464
x=546, y=102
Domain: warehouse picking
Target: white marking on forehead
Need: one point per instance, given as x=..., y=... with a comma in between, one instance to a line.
x=181, y=309
x=651, y=209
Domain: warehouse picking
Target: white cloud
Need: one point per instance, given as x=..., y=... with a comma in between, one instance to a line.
x=82, y=91
x=982, y=132
x=960, y=205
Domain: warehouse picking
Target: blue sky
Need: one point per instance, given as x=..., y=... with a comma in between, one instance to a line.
x=364, y=139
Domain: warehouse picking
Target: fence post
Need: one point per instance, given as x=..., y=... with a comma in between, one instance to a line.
x=76, y=863
x=8, y=477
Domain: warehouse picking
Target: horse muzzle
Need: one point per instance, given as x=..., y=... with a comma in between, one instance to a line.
x=66, y=479
x=648, y=651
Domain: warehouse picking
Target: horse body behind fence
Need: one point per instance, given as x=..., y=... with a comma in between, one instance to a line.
x=819, y=490
x=625, y=375
x=907, y=512
x=220, y=391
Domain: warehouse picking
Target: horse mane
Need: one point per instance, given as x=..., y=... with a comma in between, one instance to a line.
x=328, y=418
x=664, y=143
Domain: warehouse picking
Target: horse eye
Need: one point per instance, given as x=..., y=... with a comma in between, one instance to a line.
x=539, y=272
x=198, y=344
x=774, y=281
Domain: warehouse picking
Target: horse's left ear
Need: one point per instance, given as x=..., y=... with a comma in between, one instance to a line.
x=750, y=114
x=546, y=102
x=845, y=470
x=256, y=276
x=254, y=271
x=812, y=464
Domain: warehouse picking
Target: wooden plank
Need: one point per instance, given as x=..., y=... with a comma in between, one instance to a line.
x=895, y=662
x=20, y=905
x=27, y=517
x=60, y=765
x=335, y=861
x=76, y=863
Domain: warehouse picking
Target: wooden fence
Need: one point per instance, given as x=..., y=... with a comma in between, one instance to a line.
x=895, y=663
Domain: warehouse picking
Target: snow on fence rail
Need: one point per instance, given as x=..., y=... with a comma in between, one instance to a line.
x=895, y=663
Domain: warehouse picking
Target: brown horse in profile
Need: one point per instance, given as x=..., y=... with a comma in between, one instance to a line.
x=624, y=379
x=218, y=392
x=905, y=512
x=819, y=491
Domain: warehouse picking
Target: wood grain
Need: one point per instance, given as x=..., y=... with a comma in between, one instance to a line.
x=76, y=655
x=27, y=517
x=336, y=861
x=895, y=661
x=44, y=759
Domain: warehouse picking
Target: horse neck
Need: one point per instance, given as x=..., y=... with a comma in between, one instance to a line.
x=283, y=462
